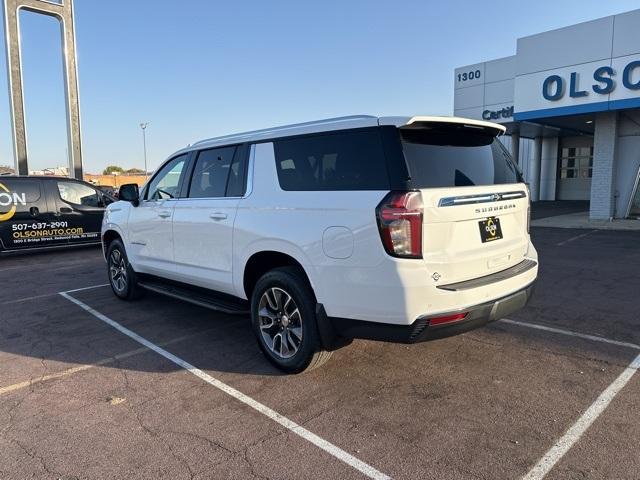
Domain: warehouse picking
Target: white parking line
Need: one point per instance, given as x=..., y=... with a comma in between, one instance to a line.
x=27, y=299
x=36, y=297
x=49, y=266
x=319, y=442
x=87, y=288
x=584, y=336
x=575, y=238
x=575, y=432
x=82, y=368
x=562, y=446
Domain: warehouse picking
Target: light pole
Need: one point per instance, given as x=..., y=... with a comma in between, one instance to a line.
x=144, y=126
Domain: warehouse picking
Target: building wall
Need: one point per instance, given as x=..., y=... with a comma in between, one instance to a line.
x=490, y=90
x=114, y=181
x=526, y=154
x=548, y=168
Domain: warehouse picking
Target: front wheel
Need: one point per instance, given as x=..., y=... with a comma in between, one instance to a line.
x=122, y=278
x=284, y=322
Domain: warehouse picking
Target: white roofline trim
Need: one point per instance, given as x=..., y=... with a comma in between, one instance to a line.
x=327, y=125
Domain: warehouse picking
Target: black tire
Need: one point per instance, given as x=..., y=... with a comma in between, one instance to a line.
x=309, y=353
x=122, y=278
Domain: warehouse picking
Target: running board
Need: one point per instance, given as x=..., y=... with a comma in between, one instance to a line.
x=207, y=300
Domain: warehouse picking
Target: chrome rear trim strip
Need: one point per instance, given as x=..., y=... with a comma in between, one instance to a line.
x=481, y=198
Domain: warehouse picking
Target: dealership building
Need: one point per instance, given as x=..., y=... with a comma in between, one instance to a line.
x=570, y=99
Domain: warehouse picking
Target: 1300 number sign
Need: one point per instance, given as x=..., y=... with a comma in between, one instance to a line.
x=472, y=75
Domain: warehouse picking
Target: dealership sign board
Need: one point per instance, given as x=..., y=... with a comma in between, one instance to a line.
x=590, y=87
x=589, y=67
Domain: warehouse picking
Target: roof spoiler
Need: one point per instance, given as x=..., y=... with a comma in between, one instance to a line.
x=416, y=122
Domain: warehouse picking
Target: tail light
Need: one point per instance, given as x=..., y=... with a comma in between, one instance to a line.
x=400, y=222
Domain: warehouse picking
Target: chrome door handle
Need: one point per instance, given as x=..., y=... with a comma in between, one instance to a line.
x=164, y=214
x=218, y=216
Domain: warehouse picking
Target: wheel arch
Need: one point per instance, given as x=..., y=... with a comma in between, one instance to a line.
x=260, y=262
x=108, y=236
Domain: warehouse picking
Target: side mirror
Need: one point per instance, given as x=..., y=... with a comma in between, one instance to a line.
x=130, y=193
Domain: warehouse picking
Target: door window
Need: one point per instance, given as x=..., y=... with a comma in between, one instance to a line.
x=236, y=181
x=166, y=183
x=211, y=172
x=79, y=194
x=21, y=194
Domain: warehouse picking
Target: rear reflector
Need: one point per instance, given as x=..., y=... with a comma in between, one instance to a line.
x=447, y=319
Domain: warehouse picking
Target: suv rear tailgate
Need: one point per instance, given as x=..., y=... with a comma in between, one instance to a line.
x=477, y=232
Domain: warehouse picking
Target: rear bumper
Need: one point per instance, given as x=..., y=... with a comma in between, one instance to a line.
x=421, y=330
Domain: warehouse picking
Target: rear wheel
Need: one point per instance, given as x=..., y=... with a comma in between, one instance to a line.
x=122, y=278
x=284, y=322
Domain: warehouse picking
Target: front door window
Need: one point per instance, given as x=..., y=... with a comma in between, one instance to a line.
x=166, y=184
x=79, y=194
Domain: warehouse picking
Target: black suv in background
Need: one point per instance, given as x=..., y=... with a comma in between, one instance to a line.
x=47, y=212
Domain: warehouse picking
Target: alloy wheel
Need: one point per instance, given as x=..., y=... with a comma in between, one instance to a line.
x=118, y=270
x=280, y=322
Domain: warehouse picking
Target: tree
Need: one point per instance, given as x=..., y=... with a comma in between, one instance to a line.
x=134, y=171
x=111, y=169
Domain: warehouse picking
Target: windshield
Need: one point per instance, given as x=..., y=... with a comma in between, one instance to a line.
x=456, y=156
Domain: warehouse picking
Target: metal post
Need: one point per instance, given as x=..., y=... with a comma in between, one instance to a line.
x=144, y=126
x=64, y=13
x=515, y=147
x=534, y=169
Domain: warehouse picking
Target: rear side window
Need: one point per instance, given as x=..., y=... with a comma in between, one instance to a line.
x=456, y=156
x=19, y=193
x=211, y=172
x=27, y=189
x=346, y=160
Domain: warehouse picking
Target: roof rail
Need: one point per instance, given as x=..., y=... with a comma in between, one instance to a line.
x=287, y=127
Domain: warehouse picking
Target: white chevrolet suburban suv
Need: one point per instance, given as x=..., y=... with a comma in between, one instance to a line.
x=400, y=229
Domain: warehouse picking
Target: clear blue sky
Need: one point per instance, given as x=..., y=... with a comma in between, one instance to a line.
x=202, y=68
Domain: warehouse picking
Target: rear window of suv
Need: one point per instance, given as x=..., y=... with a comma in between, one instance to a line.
x=456, y=156
x=345, y=160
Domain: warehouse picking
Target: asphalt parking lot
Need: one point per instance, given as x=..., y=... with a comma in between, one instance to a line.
x=552, y=391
